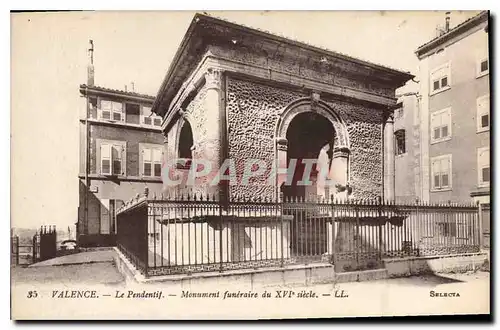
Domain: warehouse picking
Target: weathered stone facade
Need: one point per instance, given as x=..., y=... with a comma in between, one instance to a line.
x=253, y=112
x=364, y=126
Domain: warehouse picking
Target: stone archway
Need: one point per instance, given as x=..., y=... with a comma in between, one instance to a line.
x=319, y=129
x=311, y=130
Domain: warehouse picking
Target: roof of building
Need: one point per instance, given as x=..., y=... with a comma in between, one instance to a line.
x=200, y=28
x=457, y=30
x=116, y=92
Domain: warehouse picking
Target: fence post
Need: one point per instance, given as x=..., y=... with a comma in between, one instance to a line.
x=380, y=242
x=356, y=237
x=220, y=236
x=333, y=229
x=480, y=225
x=282, y=234
x=33, y=241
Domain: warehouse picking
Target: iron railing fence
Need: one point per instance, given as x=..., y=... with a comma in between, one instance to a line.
x=162, y=236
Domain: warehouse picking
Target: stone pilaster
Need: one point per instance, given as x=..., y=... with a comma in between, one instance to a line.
x=210, y=147
x=389, y=159
x=338, y=171
x=281, y=165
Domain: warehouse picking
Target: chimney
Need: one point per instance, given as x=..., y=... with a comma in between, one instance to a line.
x=90, y=67
x=125, y=88
x=133, y=86
x=447, y=23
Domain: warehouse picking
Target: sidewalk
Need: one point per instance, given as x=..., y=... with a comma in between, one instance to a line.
x=91, y=267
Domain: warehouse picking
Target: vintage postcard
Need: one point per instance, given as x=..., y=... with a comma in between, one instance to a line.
x=250, y=165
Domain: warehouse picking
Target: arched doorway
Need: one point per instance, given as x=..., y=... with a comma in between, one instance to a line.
x=311, y=138
x=311, y=133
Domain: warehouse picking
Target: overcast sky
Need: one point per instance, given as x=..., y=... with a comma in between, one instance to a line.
x=49, y=58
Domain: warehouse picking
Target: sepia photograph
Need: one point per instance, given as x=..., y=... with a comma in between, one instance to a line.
x=173, y=165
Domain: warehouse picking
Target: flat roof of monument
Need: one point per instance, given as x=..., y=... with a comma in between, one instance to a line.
x=198, y=35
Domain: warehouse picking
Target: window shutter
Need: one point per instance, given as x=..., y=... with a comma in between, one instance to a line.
x=118, y=111
x=484, y=66
x=117, y=159
x=485, y=165
x=105, y=159
x=146, y=160
x=445, y=172
x=157, y=161
x=435, y=126
x=106, y=109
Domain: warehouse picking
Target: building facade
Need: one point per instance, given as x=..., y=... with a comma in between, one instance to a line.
x=407, y=149
x=455, y=113
x=121, y=148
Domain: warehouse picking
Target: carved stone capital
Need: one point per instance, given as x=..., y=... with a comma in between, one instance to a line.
x=341, y=151
x=282, y=144
x=182, y=113
x=213, y=78
x=389, y=117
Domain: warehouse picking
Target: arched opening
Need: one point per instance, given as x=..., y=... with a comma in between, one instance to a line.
x=313, y=131
x=311, y=138
x=185, y=144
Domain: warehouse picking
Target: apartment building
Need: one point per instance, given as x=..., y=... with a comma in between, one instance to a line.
x=121, y=148
x=455, y=113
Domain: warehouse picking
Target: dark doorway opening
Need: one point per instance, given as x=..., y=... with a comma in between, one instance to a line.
x=310, y=136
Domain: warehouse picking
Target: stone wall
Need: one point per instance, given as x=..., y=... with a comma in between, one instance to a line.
x=253, y=111
x=364, y=127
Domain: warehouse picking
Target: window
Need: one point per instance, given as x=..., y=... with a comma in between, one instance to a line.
x=440, y=78
x=150, y=119
x=483, y=113
x=151, y=160
x=133, y=112
x=441, y=125
x=483, y=67
x=483, y=166
x=441, y=172
x=111, y=158
x=111, y=110
x=399, y=137
x=399, y=113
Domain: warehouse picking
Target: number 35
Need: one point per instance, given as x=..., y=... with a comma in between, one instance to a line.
x=32, y=294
